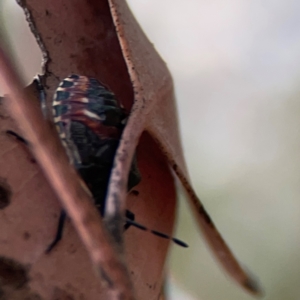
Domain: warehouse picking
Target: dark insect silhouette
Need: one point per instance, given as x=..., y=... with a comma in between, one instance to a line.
x=90, y=122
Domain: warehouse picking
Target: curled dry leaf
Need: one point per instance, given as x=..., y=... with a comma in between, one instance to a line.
x=102, y=39
x=154, y=111
x=67, y=271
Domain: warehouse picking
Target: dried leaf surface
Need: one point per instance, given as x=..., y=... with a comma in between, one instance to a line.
x=88, y=46
x=154, y=111
x=97, y=40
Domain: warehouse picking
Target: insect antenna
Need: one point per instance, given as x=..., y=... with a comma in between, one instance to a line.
x=157, y=233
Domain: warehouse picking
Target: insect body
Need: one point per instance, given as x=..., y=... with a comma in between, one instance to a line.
x=90, y=122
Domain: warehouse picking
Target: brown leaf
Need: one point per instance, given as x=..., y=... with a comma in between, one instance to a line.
x=80, y=37
x=66, y=183
x=146, y=272
x=154, y=111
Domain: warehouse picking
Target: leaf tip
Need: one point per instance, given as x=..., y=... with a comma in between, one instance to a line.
x=252, y=285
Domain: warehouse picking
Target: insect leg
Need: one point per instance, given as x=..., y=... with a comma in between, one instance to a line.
x=59, y=232
x=130, y=217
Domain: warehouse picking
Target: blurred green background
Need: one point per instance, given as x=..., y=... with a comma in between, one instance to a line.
x=236, y=67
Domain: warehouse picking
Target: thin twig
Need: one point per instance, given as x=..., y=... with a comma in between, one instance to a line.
x=66, y=183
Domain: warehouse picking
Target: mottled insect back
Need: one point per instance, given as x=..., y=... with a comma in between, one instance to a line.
x=90, y=122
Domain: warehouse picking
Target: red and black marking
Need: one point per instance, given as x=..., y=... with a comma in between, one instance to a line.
x=90, y=122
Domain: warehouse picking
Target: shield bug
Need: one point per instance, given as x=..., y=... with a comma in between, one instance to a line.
x=90, y=121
